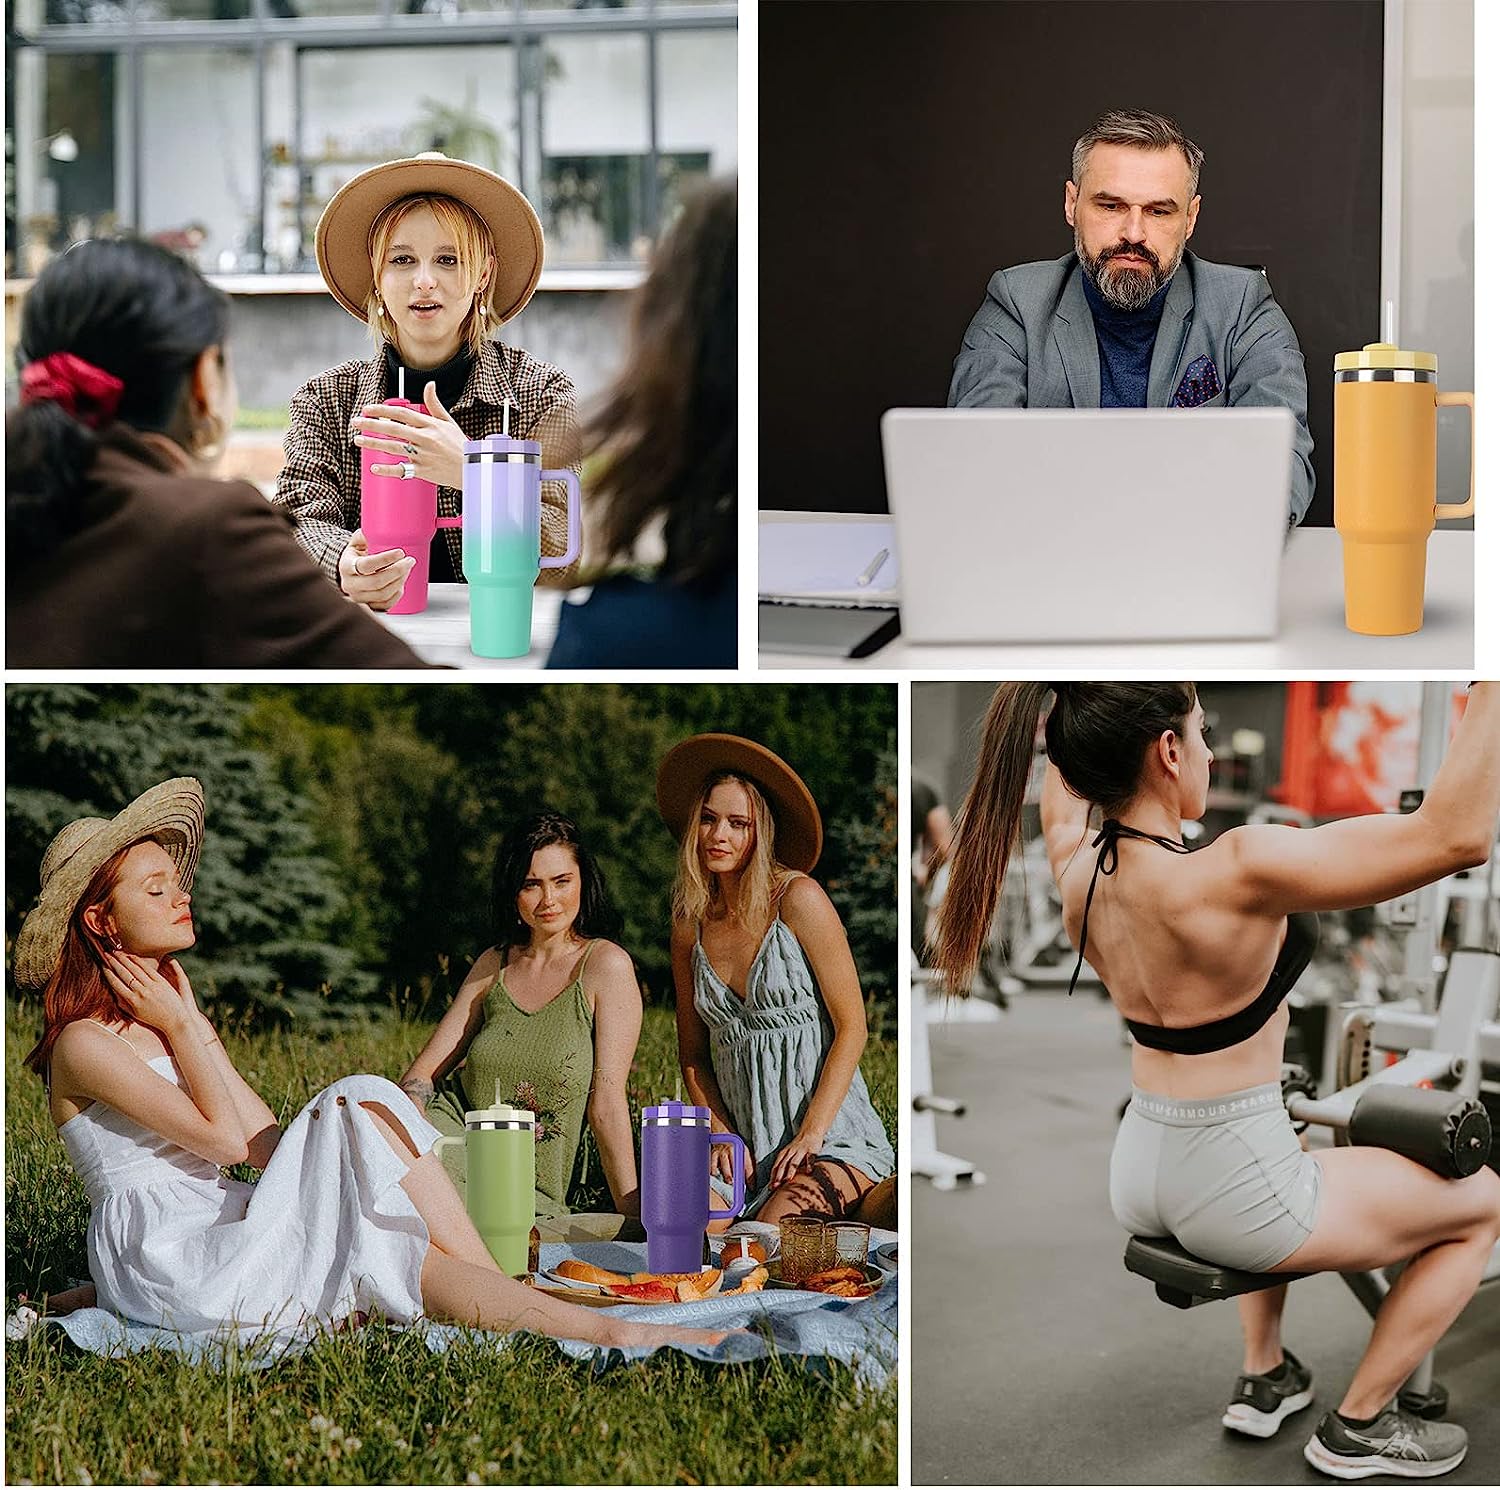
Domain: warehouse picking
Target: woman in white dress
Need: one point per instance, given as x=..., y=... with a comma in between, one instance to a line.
x=353, y=1213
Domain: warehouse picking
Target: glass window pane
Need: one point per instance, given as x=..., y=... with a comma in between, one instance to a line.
x=595, y=149
x=193, y=10
x=200, y=185
x=696, y=112
x=364, y=106
x=31, y=13
x=68, y=148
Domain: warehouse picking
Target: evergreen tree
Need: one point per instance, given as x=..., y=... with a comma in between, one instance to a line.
x=268, y=905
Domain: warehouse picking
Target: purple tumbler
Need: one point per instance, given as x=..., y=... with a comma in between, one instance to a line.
x=399, y=513
x=676, y=1147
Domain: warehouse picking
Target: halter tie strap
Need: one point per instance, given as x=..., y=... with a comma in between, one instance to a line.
x=1111, y=831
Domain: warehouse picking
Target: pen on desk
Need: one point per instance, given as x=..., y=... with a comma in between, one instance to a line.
x=873, y=568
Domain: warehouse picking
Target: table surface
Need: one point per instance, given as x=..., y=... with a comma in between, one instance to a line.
x=440, y=634
x=1313, y=634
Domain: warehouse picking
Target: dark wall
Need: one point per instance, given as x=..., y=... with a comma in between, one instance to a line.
x=907, y=151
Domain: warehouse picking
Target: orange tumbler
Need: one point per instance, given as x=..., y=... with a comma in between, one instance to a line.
x=1385, y=404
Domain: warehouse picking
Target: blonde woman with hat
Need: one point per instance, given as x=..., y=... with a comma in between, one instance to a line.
x=353, y=1213
x=770, y=1015
x=435, y=255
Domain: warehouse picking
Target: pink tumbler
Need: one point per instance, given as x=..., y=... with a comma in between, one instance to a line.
x=400, y=513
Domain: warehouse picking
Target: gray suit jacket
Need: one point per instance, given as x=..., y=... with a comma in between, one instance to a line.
x=1031, y=346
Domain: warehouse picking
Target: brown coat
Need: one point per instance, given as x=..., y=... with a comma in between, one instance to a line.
x=319, y=484
x=173, y=570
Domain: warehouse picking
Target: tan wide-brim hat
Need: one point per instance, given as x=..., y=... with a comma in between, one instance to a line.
x=686, y=767
x=343, y=235
x=171, y=813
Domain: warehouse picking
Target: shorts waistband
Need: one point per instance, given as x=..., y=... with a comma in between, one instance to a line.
x=1196, y=1112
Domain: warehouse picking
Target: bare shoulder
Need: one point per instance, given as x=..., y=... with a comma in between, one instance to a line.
x=487, y=964
x=80, y=1038
x=684, y=934
x=609, y=960
x=83, y=1049
x=804, y=902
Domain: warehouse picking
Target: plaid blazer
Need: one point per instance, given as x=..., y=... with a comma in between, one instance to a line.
x=319, y=483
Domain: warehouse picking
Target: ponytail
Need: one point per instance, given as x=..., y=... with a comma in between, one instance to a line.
x=987, y=829
x=110, y=331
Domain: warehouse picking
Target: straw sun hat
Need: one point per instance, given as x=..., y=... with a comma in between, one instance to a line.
x=171, y=813
x=343, y=235
x=687, y=766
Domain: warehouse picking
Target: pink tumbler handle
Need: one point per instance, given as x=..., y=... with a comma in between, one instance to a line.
x=575, y=540
x=738, y=1144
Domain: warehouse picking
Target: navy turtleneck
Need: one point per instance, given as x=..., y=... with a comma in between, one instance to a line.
x=1126, y=339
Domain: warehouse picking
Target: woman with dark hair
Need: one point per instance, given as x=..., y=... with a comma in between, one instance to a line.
x=434, y=255
x=121, y=550
x=666, y=440
x=547, y=1019
x=770, y=1014
x=352, y=1215
x=1198, y=951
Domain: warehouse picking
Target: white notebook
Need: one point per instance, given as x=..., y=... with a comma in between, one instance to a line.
x=817, y=563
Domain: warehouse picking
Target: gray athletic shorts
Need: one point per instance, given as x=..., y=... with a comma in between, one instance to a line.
x=1224, y=1175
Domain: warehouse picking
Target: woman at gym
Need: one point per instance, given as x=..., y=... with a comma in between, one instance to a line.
x=1198, y=952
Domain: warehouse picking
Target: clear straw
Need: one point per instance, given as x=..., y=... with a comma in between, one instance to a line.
x=505, y=420
x=401, y=382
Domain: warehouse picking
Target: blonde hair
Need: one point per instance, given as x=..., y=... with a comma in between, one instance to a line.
x=476, y=246
x=697, y=892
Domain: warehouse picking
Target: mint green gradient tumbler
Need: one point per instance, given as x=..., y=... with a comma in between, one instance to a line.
x=503, y=539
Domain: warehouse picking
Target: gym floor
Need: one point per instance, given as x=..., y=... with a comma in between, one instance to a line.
x=1037, y=1359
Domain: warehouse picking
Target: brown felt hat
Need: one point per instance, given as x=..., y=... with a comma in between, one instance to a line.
x=686, y=767
x=343, y=236
x=171, y=813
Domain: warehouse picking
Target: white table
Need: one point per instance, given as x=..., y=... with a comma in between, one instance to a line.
x=1312, y=633
x=441, y=632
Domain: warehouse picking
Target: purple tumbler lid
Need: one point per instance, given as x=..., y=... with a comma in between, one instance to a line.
x=676, y=1111
x=502, y=445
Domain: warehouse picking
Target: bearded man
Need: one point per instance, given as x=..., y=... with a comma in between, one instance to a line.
x=1130, y=319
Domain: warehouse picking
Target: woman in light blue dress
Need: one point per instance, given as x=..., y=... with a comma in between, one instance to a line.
x=770, y=1016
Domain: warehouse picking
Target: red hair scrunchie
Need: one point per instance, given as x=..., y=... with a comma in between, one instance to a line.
x=88, y=393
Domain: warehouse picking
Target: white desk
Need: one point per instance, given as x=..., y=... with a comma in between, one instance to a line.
x=1312, y=635
x=441, y=632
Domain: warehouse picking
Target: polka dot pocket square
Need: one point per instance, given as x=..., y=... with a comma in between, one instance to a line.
x=1199, y=384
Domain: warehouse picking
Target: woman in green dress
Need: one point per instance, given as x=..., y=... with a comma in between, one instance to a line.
x=547, y=1019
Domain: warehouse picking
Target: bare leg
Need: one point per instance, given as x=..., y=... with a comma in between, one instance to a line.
x=462, y=1283
x=826, y=1188
x=1260, y=1320
x=1378, y=1208
x=69, y=1299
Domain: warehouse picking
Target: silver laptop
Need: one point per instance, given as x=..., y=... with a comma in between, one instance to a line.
x=1088, y=524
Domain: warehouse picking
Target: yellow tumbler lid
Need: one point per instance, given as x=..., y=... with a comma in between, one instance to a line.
x=1384, y=354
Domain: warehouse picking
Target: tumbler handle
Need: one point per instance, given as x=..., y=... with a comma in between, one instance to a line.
x=1460, y=509
x=437, y=1147
x=738, y=1166
x=451, y=522
x=575, y=521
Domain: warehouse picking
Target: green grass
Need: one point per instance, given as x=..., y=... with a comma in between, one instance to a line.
x=374, y=1405
x=262, y=419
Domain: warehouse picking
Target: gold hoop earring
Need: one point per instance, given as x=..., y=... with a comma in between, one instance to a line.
x=210, y=435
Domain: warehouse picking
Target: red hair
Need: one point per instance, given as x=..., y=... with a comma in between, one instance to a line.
x=77, y=989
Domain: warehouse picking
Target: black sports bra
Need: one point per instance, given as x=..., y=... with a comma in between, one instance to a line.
x=1218, y=1034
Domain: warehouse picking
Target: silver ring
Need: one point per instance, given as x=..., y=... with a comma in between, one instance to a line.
x=411, y=450
x=407, y=470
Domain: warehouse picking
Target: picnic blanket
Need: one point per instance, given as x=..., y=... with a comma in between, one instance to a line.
x=859, y=1333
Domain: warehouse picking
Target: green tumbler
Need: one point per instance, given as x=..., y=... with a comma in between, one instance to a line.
x=500, y=1179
